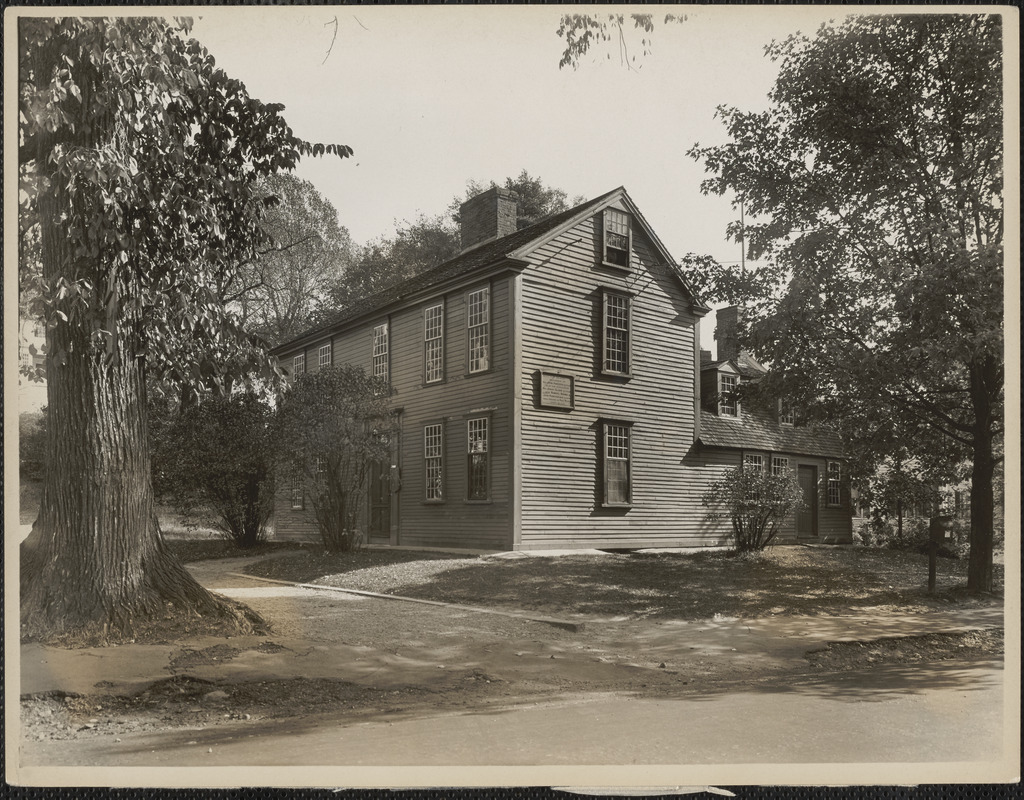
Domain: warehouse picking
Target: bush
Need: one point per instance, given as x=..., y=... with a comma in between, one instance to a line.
x=220, y=453
x=755, y=501
x=915, y=538
x=32, y=444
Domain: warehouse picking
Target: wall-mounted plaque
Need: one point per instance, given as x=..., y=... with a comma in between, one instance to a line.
x=556, y=391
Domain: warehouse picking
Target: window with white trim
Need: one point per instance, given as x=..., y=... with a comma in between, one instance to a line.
x=834, y=488
x=433, y=461
x=433, y=343
x=298, y=365
x=753, y=461
x=478, y=454
x=324, y=356
x=617, y=451
x=478, y=322
x=380, y=351
x=780, y=465
x=787, y=414
x=615, y=338
x=617, y=238
x=298, y=496
x=727, y=403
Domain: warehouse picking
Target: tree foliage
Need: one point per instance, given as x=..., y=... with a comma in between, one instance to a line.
x=873, y=187
x=331, y=425
x=281, y=292
x=140, y=162
x=583, y=31
x=219, y=453
x=535, y=199
x=755, y=502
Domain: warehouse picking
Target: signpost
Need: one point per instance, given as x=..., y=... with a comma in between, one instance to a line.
x=938, y=532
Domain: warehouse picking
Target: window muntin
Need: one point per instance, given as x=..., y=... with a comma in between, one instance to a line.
x=753, y=461
x=617, y=237
x=478, y=323
x=298, y=365
x=478, y=454
x=433, y=461
x=324, y=356
x=617, y=462
x=780, y=465
x=380, y=351
x=834, y=488
x=433, y=343
x=616, y=323
x=787, y=413
x=727, y=404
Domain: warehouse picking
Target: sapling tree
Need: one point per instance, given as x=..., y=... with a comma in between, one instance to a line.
x=138, y=162
x=755, y=502
x=332, y=425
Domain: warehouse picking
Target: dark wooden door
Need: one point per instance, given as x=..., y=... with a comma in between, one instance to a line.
x=807, y=516
x=380, y=503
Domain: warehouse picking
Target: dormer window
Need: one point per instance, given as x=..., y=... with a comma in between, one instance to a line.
x=787, y=414
x=617, y=238
x=727, y=403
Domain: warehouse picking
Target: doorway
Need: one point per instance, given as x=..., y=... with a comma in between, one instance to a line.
x=807, y=516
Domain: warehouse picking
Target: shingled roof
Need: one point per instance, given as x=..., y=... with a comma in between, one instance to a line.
x=755, y=432
x=463, y=264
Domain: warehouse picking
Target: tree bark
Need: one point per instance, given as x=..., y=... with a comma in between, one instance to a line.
x=984, y=391
x=95, y=567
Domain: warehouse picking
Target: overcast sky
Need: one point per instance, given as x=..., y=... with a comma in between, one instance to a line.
x=430, y=97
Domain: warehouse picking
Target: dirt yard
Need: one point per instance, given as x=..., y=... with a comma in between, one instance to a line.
x=784, y=580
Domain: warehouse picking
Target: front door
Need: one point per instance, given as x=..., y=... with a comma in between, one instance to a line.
x=807, y=516
x=380, y=503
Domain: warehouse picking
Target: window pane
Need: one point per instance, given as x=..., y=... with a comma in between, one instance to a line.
x=479, y=330
x=616, y=333
x=433, y=335
x=433, y=455
x=616, y=464
x=380, y=351
x=324, y=359
x=477, y=446
x=727, y=400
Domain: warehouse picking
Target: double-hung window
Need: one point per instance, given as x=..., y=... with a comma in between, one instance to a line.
x=616, y=330
x=478, y=322
x=834, y=489
x=433, y=344
x=727, y=404
x=780, y=465
x=380, y=351
x=478, y=453
x=787, y=414
x=298, y=496
x=617, y=452
x=433, y=462
x=298, y=365
x=324, y=356
x=617, y=238
x=754, y=463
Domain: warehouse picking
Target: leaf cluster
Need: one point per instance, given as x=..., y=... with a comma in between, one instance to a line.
x=755, y=501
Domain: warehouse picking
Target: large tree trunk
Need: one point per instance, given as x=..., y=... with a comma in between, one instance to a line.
x=95, y=567
x=984, y=390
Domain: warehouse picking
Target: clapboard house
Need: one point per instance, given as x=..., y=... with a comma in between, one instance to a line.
x=768, y=436
x=547, y=388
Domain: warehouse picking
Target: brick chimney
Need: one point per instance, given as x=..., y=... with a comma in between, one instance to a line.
x=705, y=356
x=727, y=332
x=488, y=216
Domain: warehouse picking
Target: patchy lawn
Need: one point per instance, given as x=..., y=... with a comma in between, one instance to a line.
x=190, y=550
x=784, y=580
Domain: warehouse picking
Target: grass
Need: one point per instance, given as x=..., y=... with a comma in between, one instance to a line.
x=784, y=580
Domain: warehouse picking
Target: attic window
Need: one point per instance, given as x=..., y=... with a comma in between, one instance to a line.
x=727, y=404
x=787, y=414
x=617, y=238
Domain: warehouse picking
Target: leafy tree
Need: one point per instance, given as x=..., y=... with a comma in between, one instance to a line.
x=416, y=246
x=280, y=293
x=582, y=31
x=875, y=185
x=220, y=453
x=139, y=163
x=755, y=501
x=332, y=424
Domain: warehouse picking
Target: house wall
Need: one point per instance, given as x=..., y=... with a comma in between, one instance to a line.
x=456, y=521
x=561, y=449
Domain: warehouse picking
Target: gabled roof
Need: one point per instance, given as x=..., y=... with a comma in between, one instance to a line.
x=512, y=248
x=763, y=432
x=748, y=368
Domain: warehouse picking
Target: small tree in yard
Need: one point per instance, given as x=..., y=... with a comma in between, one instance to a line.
x=220, y=453
x=332, y=425
x=756, y=503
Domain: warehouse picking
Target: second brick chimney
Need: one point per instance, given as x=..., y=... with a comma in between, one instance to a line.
x=727, y=322
x=488, y=216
